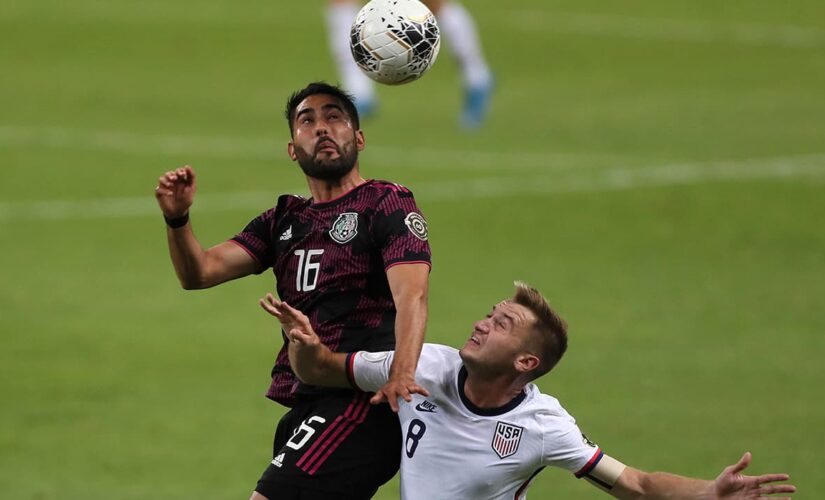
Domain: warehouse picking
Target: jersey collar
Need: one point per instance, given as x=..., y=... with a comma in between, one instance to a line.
x=486, y=412
x=324, y=204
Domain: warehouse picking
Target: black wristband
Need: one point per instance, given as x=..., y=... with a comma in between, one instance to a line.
x=177, y=222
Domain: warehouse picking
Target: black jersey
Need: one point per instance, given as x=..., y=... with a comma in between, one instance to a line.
x=330, y=261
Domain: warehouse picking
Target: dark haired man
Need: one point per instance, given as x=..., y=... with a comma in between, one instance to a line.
x=356, y=259
x=485, y=431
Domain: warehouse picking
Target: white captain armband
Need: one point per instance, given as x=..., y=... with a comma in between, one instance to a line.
x=604, y=471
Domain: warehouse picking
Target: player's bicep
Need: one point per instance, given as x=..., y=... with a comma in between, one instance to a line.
x=228, y=261
x=368, y=371
x=408, y=282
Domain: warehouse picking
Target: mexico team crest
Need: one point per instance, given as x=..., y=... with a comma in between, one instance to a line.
x=344, y=228
x=506, y=439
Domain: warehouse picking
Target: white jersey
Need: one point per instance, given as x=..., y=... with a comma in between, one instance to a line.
x=453, y=449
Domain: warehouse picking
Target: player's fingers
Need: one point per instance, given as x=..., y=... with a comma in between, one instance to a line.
x=297, y=315
x=742, y=463
x=393, y=401
x=294, y=312
x=288, y=312
x=161, y=192
x=417, y=389
x=378, y=398
x=272, y=299
x=270, y=309
x=274, y=310
x=772, y=478
x=777, y=488
x=183, y=173
x=190, y=173
x=305, y=338
x=298, y=336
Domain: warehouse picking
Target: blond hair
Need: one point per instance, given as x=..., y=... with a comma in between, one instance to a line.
x=549, y=338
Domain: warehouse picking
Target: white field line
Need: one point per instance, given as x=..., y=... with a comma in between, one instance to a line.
x=680, y=30
x=629, y=178
x=259, y=148
x=485, y=188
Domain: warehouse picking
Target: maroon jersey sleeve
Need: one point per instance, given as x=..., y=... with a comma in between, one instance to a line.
x=400, y=230
x=256, y=239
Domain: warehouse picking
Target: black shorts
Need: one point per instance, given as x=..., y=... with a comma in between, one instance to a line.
x=335, y=446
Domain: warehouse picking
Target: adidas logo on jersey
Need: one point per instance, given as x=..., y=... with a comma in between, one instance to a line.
x=278, y=461
x=426, y=406
x=286, y=234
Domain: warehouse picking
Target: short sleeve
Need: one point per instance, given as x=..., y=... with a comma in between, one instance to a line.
x=369, y=371
x=400, y=230
x=256, y=239
x=565, y=446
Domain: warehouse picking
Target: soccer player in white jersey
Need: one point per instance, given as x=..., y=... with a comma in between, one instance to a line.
x=459, y=29
x=483, y=430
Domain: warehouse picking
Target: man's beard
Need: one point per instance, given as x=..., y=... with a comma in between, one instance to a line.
x=322, y=167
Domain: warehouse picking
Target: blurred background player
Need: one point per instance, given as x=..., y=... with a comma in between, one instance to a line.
x=457, y=26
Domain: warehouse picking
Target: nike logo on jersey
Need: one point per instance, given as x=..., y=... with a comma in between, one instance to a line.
x=286, y=234
x=426, y=406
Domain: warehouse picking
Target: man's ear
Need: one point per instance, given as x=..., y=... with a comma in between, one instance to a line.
x=290, y=149
x=359, y=140
x=526, y=363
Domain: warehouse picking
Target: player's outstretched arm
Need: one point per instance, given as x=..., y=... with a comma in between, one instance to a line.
x=730, y=485
x=195, y=267
x=312, y=362
x=409, y=286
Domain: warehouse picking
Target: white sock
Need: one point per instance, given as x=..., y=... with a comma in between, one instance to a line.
x=339, y=19
x=462, y=38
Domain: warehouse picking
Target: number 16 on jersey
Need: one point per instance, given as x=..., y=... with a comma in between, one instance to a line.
x=308, y=270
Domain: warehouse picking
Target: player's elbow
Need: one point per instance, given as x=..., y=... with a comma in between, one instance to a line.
x=192, y=283
x=189, y=285
x=196, y=281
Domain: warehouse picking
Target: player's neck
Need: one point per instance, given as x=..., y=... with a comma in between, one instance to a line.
x=491, y=392
x=325, y=190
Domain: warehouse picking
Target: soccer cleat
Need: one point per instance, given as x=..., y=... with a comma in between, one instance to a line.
x=476, y=104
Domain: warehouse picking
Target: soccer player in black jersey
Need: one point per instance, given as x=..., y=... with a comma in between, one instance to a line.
x=355, y=258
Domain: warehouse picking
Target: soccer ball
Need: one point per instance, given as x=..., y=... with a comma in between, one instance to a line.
x=395, y=41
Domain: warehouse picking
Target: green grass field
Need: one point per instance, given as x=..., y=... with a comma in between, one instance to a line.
x=656, y=168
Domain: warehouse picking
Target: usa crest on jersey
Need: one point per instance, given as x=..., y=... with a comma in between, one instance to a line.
x=344, y=228
x=506, y=439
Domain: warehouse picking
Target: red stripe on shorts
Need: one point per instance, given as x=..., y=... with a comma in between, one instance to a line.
x=348, y=420
x=347, y=430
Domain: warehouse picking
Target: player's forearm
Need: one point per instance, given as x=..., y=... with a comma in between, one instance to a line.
x=188, y=257
x=661, y=486
x=317, y=365
x=410, y=325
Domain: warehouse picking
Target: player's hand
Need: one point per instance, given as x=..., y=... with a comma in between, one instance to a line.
x=175, y=191
x=733, y=485
x=295, y=323
x=398, y=386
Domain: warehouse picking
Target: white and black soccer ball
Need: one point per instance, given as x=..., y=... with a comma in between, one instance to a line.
x=395, y=41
